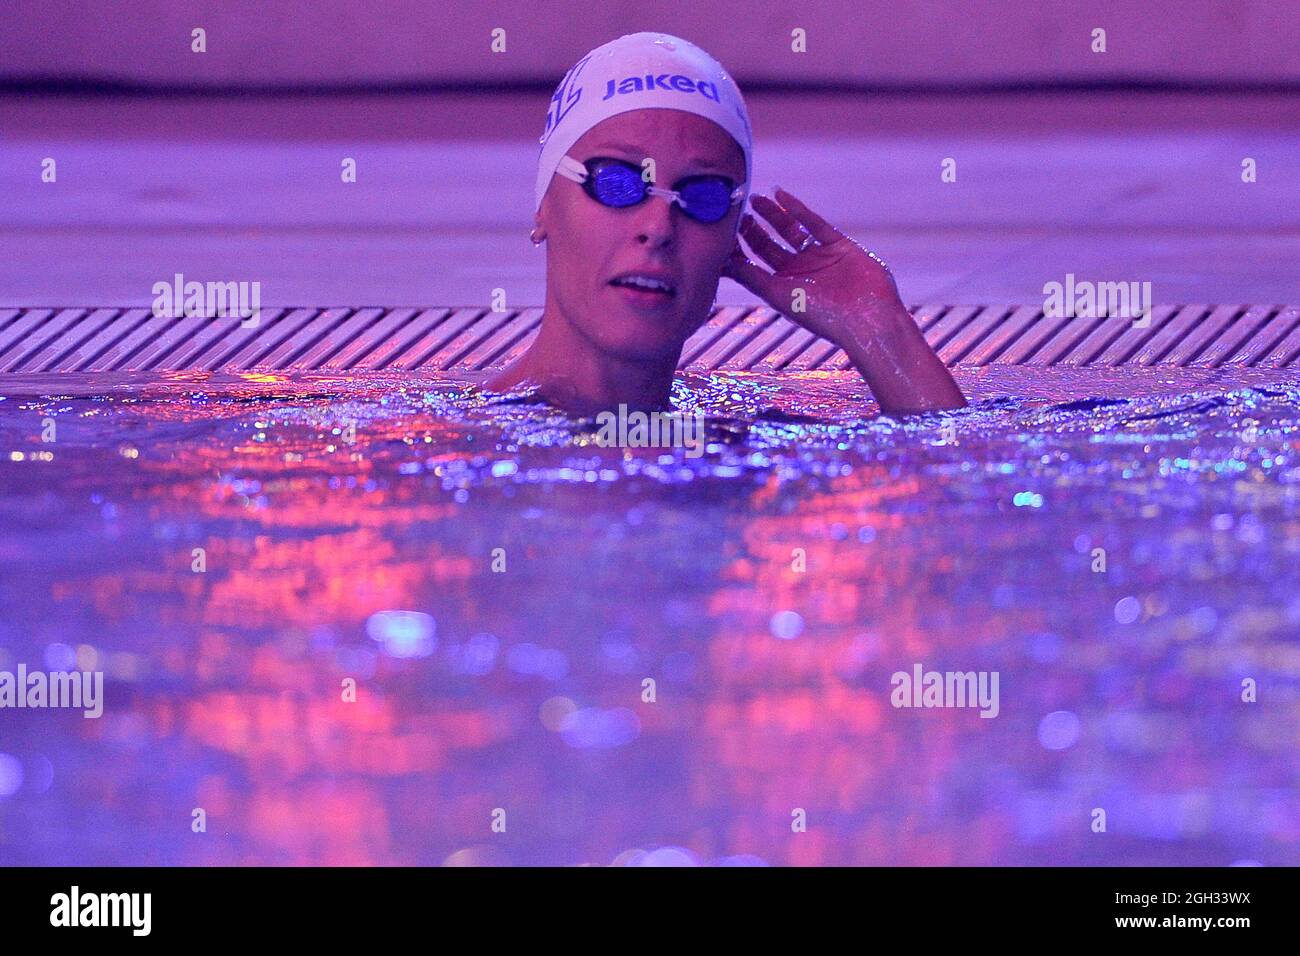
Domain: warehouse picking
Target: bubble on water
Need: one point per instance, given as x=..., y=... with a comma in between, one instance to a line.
x=478, y=655
x=476, y=856
x=786, y=625
x=632, y=857
x=403, y=633
x=60, y=657
x=669, y=856
x=1059, y=730
x=554, y=711
x=592, y=727
x=42, y=775
x=11, y=775
x=523, y=658
x=1128, y=609
x=545, y=662
x=619, y=656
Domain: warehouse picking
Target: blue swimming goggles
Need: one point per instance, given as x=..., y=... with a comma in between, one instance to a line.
x=618, y=183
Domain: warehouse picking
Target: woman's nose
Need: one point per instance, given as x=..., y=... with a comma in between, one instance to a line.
x=655, y=222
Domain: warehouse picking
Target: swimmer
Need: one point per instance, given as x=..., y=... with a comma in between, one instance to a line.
x=642, y=185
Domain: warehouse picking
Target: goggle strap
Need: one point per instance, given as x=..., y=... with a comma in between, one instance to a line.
x=570, y=168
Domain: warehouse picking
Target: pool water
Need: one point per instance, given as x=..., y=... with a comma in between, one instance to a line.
x=572, y=654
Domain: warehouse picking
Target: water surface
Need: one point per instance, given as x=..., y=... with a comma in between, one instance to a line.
x=769, y=588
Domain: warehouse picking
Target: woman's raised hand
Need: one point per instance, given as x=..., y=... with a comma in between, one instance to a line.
x=828, y=284
x=833, y=287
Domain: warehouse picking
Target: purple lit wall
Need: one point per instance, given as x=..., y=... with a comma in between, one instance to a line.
x=934, y=42
x=1125, y=162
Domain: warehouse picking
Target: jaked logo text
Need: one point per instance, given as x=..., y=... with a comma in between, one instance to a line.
x=669, y=82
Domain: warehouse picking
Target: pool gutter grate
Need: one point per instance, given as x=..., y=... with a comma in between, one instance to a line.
x=735, y=338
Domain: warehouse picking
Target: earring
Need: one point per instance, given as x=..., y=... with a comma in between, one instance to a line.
x=533, y=236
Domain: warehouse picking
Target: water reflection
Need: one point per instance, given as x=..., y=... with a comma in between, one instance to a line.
x=499, y=589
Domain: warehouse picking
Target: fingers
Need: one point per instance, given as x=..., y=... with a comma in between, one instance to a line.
x=748, y=273
x=786, y=226
x=763, y=245
x=822, y=230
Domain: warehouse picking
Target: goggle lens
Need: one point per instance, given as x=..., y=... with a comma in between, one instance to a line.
x=615, y=183
x=708, y=200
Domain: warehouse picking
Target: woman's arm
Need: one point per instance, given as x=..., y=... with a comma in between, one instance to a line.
x=840, y=291
x=904, y=373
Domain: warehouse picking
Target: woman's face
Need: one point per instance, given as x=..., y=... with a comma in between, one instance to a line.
x=589, y=245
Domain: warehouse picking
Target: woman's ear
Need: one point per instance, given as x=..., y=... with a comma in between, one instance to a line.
x=542, y=215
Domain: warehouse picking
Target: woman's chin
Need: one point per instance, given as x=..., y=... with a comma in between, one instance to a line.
x=632, y=336
x=638, y=340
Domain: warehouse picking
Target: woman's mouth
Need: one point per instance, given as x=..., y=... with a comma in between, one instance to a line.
x=644, y=291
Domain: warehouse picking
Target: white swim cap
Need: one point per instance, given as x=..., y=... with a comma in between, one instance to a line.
x=640, y=71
